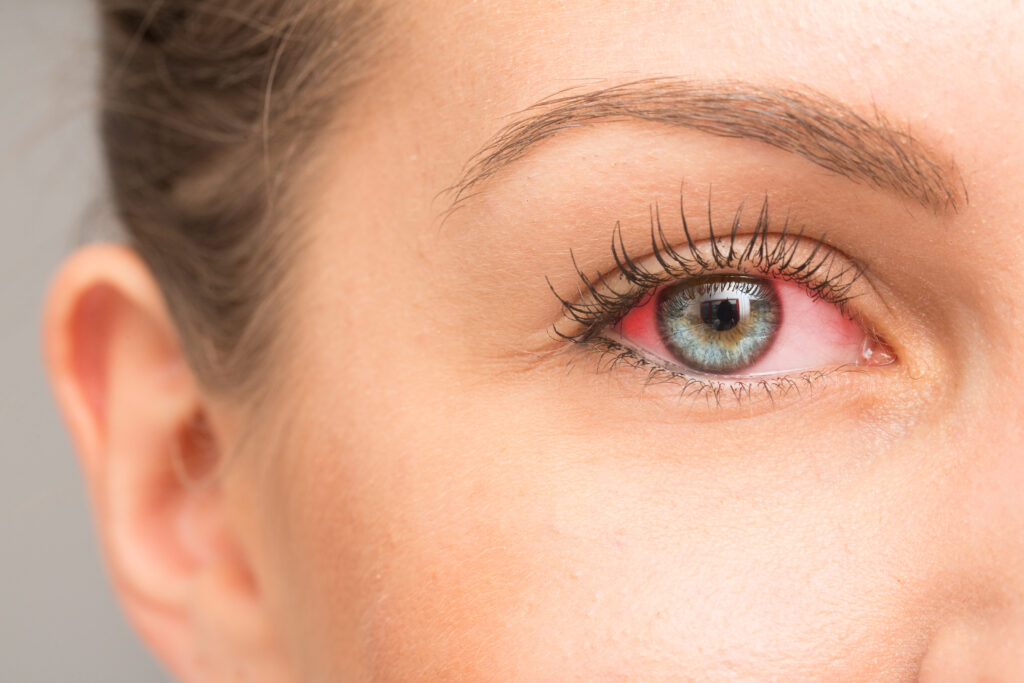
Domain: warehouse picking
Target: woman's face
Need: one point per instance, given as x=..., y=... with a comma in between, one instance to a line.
x=456, y=492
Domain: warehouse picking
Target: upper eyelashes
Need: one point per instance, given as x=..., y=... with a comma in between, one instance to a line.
x=785, y=255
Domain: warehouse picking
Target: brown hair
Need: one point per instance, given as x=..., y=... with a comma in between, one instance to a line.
x=210, y=112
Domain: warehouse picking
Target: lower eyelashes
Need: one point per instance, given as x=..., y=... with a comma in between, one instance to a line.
x=719, y=325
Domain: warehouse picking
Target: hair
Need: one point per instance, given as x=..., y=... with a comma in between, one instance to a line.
x=210, y=112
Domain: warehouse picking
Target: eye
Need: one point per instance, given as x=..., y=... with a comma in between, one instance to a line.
x=743, y=326
x=746, y=315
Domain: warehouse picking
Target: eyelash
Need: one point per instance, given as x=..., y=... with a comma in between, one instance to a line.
x=770, y=255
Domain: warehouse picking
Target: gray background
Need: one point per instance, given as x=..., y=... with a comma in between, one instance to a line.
x=59, y=621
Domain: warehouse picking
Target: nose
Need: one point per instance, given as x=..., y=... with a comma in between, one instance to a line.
x=978, y=634
x=989, y=648
x=976, y=631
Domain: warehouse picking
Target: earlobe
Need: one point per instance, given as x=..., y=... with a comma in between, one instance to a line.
x=148, y=440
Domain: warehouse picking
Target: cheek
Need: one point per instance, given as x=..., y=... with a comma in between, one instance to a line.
x=586, y=574
x=492, y=550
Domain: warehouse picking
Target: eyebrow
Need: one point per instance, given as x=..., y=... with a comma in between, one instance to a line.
x=803, y=122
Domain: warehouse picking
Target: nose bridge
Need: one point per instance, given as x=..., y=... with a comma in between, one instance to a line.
x=991, y=360
x=979, y=634
x=987, y=445
x=982, y=637
x=1000, y=408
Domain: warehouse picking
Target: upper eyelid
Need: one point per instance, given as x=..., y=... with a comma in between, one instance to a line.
x=780, y=255
x=600, y=304
x=598, y=299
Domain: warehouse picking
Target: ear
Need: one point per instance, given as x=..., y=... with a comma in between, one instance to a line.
x=151, y=444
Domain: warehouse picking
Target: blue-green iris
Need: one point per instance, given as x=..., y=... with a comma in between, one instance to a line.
x=720, y=324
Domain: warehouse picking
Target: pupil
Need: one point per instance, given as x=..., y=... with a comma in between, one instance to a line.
x=721, y=315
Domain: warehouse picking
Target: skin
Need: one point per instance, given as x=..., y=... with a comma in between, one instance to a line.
x=428, y=493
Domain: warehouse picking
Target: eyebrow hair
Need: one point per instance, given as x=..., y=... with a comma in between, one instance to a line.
x=803, y=122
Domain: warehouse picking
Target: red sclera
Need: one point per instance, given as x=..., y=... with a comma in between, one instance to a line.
x=813, y=334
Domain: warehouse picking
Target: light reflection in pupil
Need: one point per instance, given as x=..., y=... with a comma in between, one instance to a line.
x=720, y=314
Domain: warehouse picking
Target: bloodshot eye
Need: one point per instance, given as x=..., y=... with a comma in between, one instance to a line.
x=745, y=326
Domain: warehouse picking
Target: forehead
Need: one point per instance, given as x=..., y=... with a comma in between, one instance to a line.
x=461, y=70
x=861, y=44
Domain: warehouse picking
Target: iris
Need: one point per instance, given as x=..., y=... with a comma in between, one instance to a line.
x=721, y=324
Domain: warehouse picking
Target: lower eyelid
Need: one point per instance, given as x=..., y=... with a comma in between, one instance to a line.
x=694, y=392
